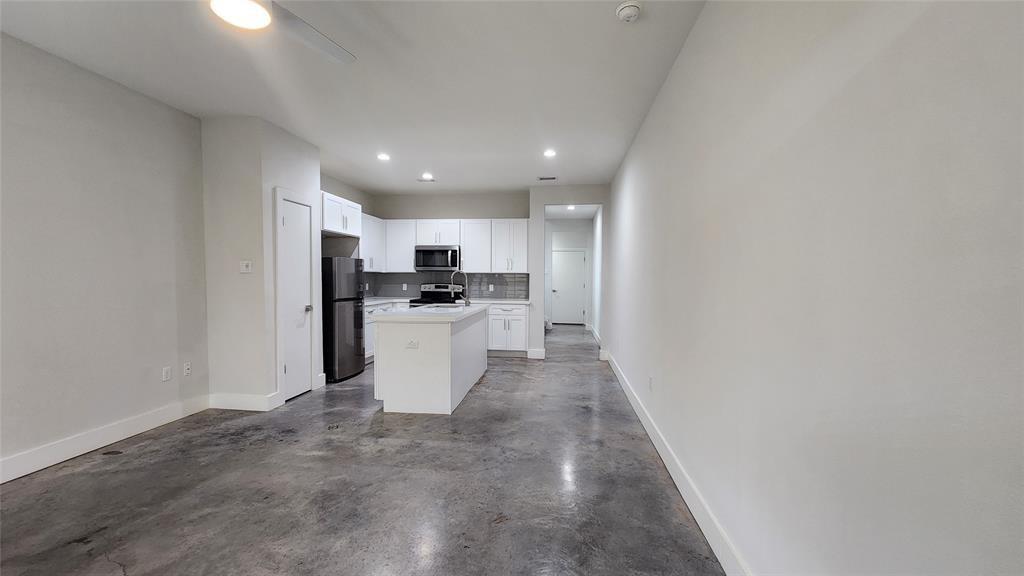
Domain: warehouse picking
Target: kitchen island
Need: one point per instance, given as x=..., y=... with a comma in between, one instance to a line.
x=427, y=358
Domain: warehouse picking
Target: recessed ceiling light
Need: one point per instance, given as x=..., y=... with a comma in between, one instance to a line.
x=550, y=153
x=571, y=207
x=248, y=14
x=383, y=157
x=426, y=177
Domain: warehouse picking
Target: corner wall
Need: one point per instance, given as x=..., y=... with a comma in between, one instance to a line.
x=826, y=202
x=244, y=160
x=103, y=274
x=541, y=196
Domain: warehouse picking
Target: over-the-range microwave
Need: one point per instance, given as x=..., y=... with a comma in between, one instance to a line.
x=438, y=258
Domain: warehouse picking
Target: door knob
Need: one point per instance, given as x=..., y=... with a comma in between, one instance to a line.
x=309, y=307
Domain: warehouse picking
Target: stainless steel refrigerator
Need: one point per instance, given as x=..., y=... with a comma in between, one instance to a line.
x=344, y=354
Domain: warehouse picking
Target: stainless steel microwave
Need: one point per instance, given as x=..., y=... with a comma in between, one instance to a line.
x=438, y=258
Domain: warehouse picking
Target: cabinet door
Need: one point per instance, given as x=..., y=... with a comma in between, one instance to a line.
x=332, y=213
x=372, y=244
x=437, y=232
x=520, y=245
x=351, y=218
x=400, y=244
x=448, y=233
x=497, y=333
x=501, y=246
x=426, y=232
x=476, y=245
x=369, y=331
x=516, y=332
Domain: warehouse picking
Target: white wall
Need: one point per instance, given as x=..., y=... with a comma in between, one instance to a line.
x=244, y=159
x=568, y=234
x=103, y=279
x=597, y=276
x=541, y=196
x=455, y=205
x=825, y=203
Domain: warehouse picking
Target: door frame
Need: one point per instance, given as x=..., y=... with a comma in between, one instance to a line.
x=316, y=363
x=586, y=286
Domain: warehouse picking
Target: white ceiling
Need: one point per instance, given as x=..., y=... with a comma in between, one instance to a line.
x=579, y=212
x=471, y=91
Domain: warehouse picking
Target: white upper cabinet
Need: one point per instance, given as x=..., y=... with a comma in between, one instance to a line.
x=351, y=218
x=400, y=245
x=331, y=213
x=509, y=245
x=341, y=216
x=476, y=245
x=437, y=232
x=372, y=244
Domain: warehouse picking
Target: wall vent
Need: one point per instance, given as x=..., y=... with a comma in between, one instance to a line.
x=547, y=178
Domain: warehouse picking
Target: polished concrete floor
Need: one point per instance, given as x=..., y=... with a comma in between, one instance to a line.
x=543, y=469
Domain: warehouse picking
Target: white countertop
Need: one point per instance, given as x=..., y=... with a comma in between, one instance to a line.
x=388, y=300
x=433, y=314
x=383, y=300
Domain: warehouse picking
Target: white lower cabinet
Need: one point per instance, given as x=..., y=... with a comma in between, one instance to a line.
x=506, y=327
x=497, y=330
x=369, y=329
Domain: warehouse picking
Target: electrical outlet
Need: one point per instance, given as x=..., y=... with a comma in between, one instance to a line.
x=413, y=345
x=405, y=287
x=490, y=287
x=165, y=374
x=245, y=266
x=367, y=285
x=186, y=370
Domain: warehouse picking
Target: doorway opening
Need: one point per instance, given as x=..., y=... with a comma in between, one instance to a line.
x=572, y=278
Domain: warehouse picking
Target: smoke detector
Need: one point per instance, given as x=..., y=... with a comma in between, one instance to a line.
x=628, y=11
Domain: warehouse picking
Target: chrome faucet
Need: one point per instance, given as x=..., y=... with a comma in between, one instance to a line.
x=465, y=287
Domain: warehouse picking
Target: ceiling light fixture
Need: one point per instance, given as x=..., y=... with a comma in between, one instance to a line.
x=248, y=14
x=550, y=153
x=571, y=207
x=383, y=157
x=426, y=177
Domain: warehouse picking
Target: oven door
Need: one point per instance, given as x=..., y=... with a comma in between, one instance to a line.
x=437, y=258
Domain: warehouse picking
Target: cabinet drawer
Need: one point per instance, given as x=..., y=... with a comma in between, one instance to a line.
x=507, y=310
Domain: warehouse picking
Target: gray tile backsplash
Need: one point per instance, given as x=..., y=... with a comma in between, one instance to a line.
x=506, y=286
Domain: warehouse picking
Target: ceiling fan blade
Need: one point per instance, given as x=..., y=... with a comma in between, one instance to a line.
x=314, y=38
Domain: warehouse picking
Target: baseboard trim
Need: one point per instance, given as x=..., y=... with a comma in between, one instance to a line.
x=250, y=402
x=596, y=335
x=603, y=354
x=46, y=455
x=729, y=557
x=535, y=353
x=321, y=381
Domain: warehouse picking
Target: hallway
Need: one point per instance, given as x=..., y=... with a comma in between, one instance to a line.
x=544, y=469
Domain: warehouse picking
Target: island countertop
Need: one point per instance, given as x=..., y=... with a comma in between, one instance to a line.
x=432, y=314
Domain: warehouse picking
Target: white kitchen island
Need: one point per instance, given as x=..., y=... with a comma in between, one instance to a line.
x=427, y=358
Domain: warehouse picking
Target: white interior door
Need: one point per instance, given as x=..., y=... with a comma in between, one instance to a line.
x=294, y=318
x=568, y=286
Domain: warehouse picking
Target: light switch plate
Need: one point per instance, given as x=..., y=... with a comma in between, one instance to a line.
x=405, y=287
x=165, y=374
x=245, y=266
x=413, y=345
x=186, y=370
